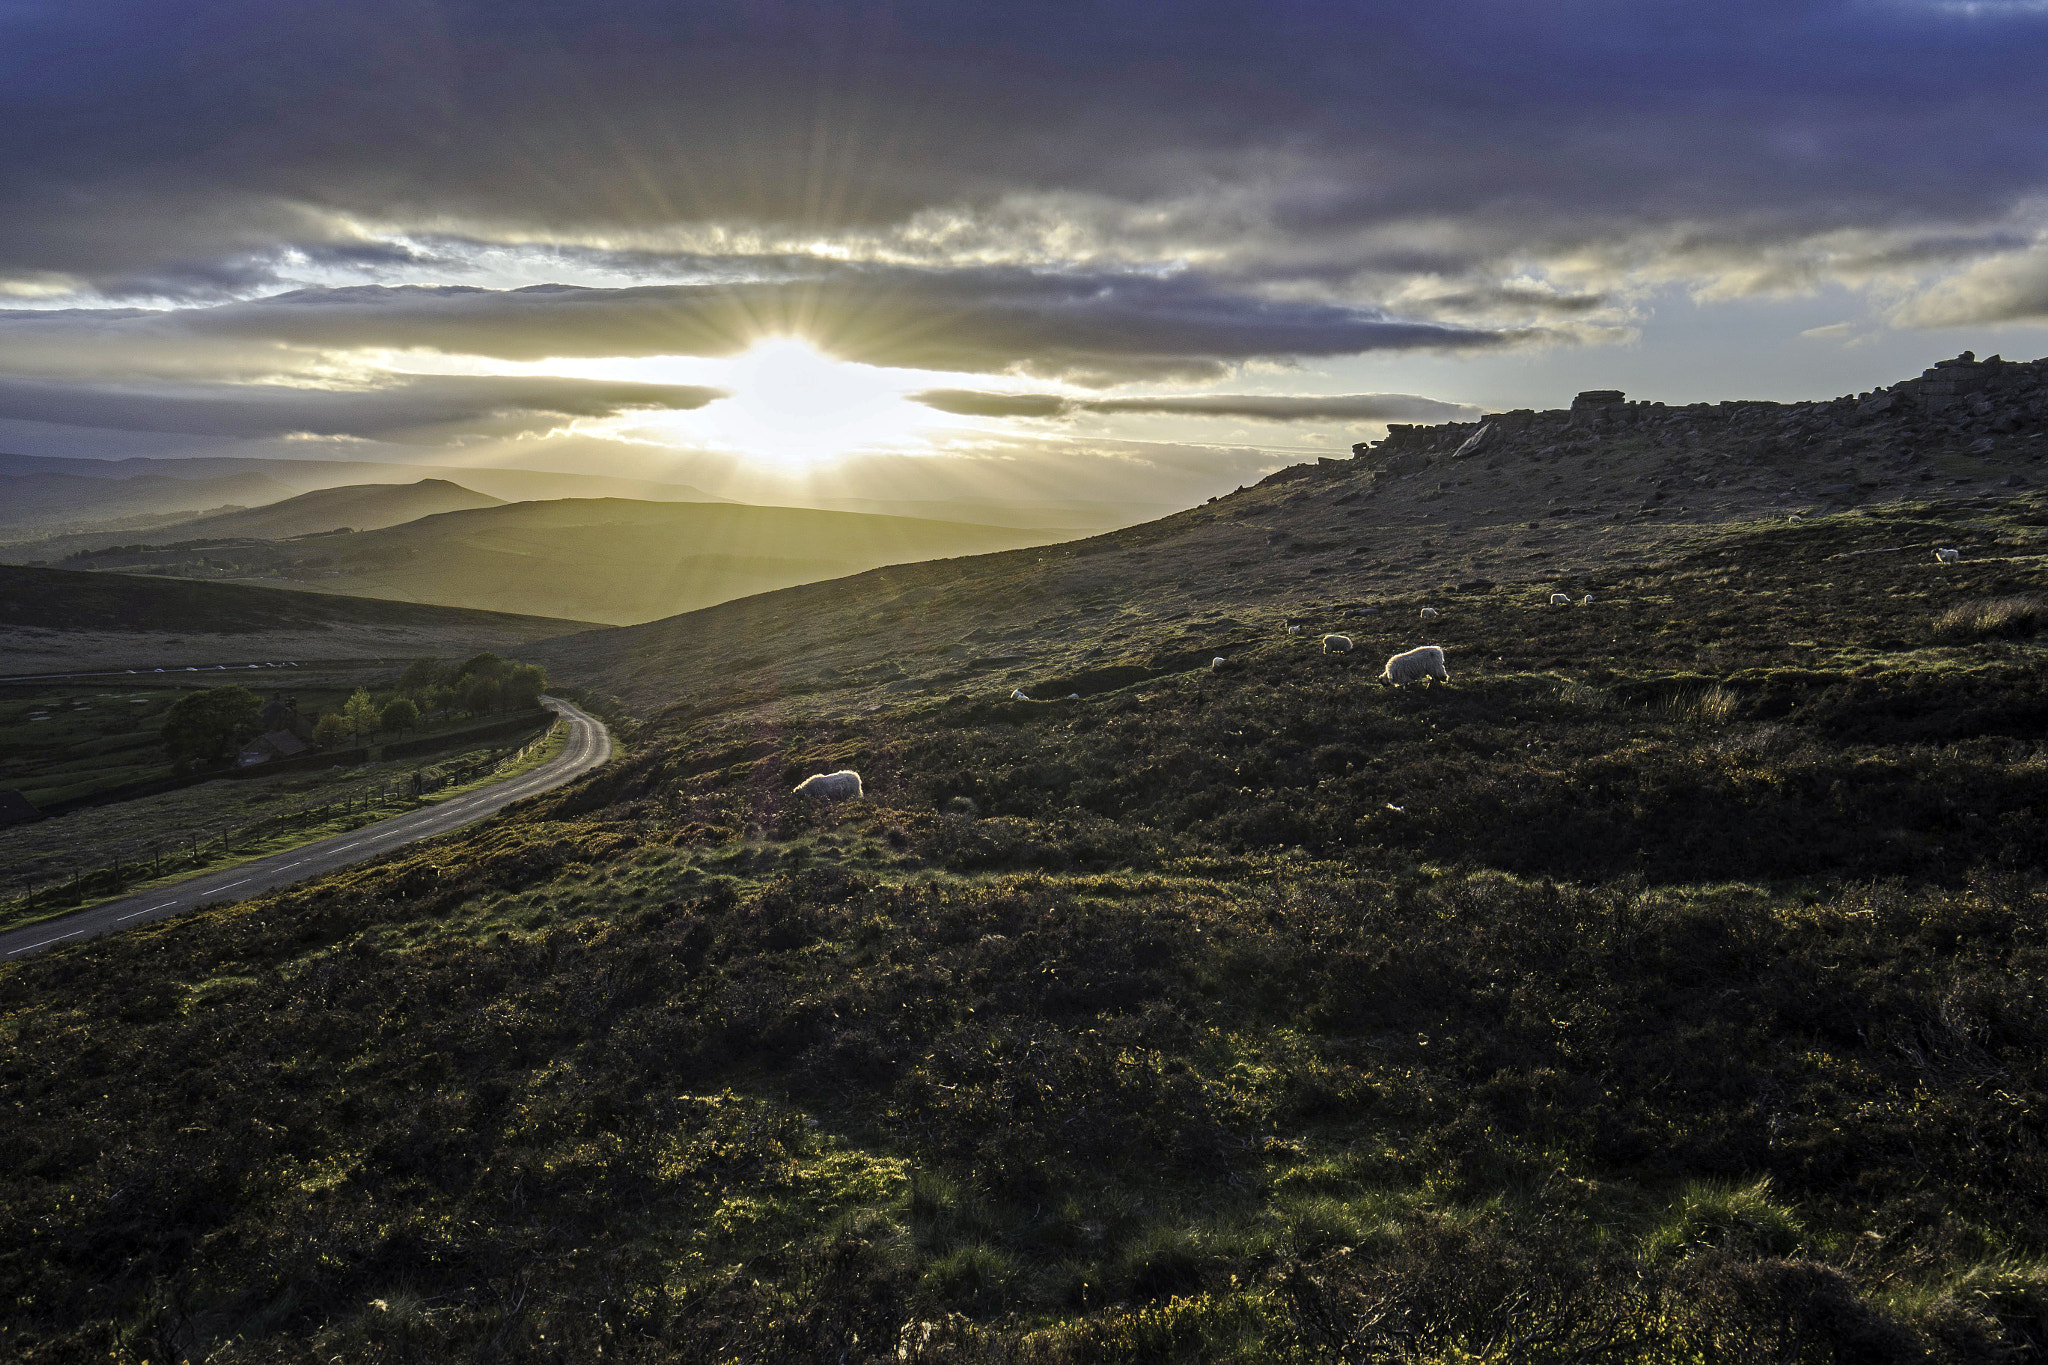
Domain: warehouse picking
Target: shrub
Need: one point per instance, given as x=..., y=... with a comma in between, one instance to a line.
x=1997, y=618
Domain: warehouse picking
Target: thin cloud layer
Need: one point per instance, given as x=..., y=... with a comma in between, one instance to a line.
x=1258, y=407
x=430, y=409
x=1087, y=327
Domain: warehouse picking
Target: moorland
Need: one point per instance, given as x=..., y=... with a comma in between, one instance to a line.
x=1665, y=987
x=69, y=621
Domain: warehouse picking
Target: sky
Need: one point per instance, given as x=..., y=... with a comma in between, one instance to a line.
x=1042, y=251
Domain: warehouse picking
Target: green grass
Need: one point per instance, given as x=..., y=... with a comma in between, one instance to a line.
x=1665, y=989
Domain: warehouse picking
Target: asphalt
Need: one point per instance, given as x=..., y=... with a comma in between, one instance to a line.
x=589, y=747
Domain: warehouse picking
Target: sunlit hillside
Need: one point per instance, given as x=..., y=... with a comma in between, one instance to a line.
x=595, y=559
x=358, y=507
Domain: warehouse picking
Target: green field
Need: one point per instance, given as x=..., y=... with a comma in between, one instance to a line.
x=62, y=742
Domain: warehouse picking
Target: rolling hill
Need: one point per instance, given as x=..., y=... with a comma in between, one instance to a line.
x=32, y=504
x=358, y=507
x=601, y=559
x=1664, y=988
x=54, y=620
x=302, y=476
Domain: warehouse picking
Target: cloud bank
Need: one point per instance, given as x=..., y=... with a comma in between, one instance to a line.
x=206, y=202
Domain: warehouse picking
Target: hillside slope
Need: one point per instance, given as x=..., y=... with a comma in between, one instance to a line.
x=1665, y=988
x=601, y=559
x=1564, y=500
x=54, y=620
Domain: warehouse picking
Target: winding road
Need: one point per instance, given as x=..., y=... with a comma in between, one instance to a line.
x=589, y=747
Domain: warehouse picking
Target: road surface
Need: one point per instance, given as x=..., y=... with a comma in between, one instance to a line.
x=589, y=747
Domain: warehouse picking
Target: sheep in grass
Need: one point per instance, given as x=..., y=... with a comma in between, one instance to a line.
x=1336, y=644
x=1560, y=599
x=1294, y=630
x=831, y=786
x=1948, y=555
x=1215, y=663
x=1587, y=600
x=1423, y=661
x=1017, y=694
x=1429, y=613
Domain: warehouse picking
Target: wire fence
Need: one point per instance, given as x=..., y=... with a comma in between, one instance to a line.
x=199, y=846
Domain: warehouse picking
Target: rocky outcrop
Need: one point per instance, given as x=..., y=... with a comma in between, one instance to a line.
x=1977, y=412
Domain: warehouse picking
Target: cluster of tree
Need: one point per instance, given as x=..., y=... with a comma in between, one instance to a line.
x=201, y=727
x=480, y=686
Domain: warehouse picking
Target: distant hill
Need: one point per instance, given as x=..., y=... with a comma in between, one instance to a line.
x=360, y=507
x=62, y=599
x=36, y=500
x=596, y=559
x=57, y=620
x=301, y=476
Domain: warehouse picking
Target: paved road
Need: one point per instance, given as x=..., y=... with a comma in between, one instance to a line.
x=589, y=747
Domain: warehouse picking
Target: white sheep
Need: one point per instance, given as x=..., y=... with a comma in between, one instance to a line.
x=1429, y=613
x=1017, y=694
x=1560, y=599
x=1215, y=663
x=1073, y=696
x=1948, y=556
x=1336, y=644
x=1587, y=600
x=1294, y=630
x=1423, y=661
x=831, y=786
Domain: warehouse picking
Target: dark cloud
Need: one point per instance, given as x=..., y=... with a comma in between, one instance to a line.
x=427, y=409
x=969, y=403
x=148, y=139
x=1345, y=407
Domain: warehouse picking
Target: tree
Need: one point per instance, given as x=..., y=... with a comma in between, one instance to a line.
x=201, y=725
x=330, y=730
x=399, y=714
x=479, y=694
x=360, y=714
x=523, y=685
x=420, y=676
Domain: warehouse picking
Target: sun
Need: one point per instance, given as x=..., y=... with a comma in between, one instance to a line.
x=793, y=405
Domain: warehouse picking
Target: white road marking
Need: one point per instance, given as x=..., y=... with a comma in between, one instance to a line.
x=584, y=752
x=46, y=942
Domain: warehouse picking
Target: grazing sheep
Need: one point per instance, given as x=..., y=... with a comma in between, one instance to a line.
x=1423, y=661
x=831, y=786
x=1948, y=556
x=1017, y=694
x=1336, y=644
x=1294, y=630
x=1587, y=600
x=1560, y=599
x=1429, y=613
x=1215, y=663
x=1073, y=696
